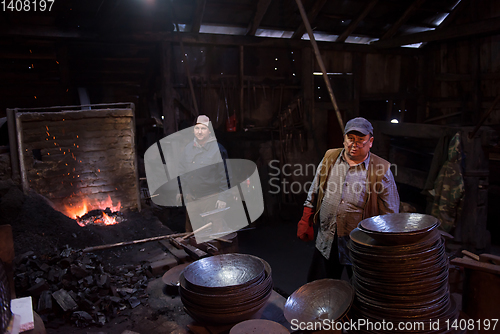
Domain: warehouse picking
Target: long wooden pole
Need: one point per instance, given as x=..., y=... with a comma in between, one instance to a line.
x=320, y=62
x=126, y=243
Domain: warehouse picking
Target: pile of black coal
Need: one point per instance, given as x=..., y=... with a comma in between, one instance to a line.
x=78, y=287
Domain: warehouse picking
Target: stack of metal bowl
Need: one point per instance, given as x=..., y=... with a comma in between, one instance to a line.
x=226, y=288
x=400, y=273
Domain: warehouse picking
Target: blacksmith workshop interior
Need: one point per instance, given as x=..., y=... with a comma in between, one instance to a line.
x=94, y=222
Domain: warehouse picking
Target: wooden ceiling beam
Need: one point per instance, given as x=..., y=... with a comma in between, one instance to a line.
x=198, y=15
x=311, y=16
x=262, y=7
x=489, y=26
x=354, y=23
x=409, y=12
x=144, y=40
x=458, y=8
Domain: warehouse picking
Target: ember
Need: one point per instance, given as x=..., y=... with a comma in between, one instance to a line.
x=93, y=213
x=100, y=217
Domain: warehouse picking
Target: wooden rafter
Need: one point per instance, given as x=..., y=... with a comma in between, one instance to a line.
x=458, y=8
x=488, y=26
x=262, y=7
x=311, y=16
x=355, y=23
x=198, y=15
x=409, y=12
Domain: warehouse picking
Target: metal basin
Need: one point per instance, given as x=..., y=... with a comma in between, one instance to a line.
x=319, y=300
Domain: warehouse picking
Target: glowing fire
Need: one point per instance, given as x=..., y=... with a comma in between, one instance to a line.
x=78, y=211
x=106, y=220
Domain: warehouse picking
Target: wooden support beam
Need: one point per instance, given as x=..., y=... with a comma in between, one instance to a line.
x=320, y=62
x=241, y=114
x=411, y=130
x=169, y=120
x=449, y=19
x=409, y=12
x=198, y=16
x=488, y=26
x=262, y=7
x=357, y=71
x=354, y=23
x=313, y=13
x=188, y=38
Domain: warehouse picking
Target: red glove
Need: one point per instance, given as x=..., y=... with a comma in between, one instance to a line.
x=305, y=230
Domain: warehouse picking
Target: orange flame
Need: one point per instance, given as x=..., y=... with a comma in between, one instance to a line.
x=107, y=220
x=76, y=211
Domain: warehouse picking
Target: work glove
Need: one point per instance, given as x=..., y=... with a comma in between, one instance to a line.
x=305, y=230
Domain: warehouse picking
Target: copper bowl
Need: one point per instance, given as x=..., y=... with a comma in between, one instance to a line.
x=319, y=300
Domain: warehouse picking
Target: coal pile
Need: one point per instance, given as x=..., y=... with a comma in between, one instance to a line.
x=66, y=284
x=78, y=287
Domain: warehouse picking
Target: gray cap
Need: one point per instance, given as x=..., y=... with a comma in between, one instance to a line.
x=359, y=124
x=203, y=119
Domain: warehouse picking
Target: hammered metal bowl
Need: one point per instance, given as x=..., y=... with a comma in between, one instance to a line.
x=319, y=300
x=400, y=281
x=399, y=223
x=258, y=326
x=219, y=304
x=223, y=272
x=399, y=228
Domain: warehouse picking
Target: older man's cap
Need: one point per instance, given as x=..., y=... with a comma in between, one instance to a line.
x=203, y=119
x=359, y=124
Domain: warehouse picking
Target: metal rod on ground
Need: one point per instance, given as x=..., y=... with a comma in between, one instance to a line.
x=126, y=243
x=320, y=62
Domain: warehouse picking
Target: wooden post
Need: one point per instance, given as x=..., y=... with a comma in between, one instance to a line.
x=357, y=72
x=14, y=158
x=241, y=114
x=169, y=119
x=188, y=74
x=19, y=133
x=422, y=88
x=476, y=79
x=320, y=62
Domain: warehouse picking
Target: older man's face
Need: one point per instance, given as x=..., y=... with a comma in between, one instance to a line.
x=201, y=132
x=357, y=145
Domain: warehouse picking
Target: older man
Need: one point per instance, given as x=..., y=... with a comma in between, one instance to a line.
x=350, y=184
